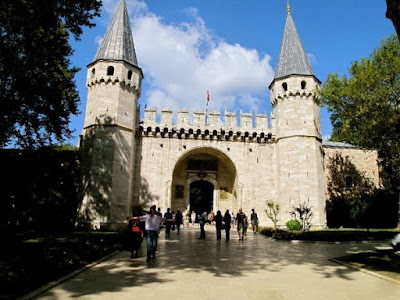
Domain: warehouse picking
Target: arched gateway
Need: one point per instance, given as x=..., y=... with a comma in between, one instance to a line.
x=204, y=179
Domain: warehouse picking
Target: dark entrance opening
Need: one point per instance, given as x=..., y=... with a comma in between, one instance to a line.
x=201, y=196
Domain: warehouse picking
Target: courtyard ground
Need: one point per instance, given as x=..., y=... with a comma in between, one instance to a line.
x=258, y=268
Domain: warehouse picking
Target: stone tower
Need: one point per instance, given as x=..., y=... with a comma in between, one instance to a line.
x=108, y=146
x=298, y=152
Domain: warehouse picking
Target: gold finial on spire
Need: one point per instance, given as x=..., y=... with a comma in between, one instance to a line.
x=288, y=7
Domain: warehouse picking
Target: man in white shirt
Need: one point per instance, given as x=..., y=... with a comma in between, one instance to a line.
x=152, y=221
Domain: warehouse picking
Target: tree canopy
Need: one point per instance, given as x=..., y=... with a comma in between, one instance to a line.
x=37, y=88
x=365, y=106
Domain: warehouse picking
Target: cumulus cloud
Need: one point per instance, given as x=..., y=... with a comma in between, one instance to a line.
x=181, y=61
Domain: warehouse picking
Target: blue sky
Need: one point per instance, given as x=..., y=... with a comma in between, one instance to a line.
x=231, y=48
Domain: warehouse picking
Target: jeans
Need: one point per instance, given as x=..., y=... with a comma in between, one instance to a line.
x=151, y=240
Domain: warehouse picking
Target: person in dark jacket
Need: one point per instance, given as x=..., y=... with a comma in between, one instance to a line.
x=168, y=223
x=178, y=220
x=218, y=224
x=227, y=220
x=241, y=223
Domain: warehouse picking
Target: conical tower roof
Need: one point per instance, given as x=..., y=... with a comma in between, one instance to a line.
x=118, y=41
x=292, y=58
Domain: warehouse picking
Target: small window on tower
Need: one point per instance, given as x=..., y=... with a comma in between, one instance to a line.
x=284, y=86
x=110, y=71
x=129, y=75
x=303, y=85
x=93, y=71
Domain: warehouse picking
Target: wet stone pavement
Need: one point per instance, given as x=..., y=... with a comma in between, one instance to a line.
x=257, y=268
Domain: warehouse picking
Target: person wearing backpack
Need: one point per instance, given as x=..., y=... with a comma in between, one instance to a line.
x=241, y=220
x=135, y=235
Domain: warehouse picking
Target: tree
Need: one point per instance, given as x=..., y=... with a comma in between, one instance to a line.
x=365, y=106
x=272, y=211
x=37, y=88
x=304, y=211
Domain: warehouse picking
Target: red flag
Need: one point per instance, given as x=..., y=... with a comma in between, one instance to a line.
x=208, y=96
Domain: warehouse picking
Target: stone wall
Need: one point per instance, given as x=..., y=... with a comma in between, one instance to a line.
x=366, y=161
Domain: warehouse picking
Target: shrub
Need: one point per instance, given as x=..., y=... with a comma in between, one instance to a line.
x=293, y=225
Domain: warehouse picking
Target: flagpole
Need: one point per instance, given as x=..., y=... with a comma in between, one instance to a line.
x=207, y=100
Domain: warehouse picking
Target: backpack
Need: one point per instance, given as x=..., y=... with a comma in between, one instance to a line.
x=240, y=217
x=135, y=226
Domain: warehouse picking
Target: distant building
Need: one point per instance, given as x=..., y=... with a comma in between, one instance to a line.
x=212, y=163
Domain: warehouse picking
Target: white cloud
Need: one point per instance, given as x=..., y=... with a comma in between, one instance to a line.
x=182, y=61
x=312, y=58
x=326, y=137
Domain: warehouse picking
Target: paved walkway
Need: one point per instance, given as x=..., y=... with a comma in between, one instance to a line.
x=258, y=268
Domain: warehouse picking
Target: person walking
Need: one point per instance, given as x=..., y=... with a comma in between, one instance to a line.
x=240, y=223
x=152, y=226
x=178, y=220
x=193, y=217
x=168, y=222
x=135, y=234
x=227, y=220
x=203, y=220
x=254, y=221
x=218, y=225
x=233, y=220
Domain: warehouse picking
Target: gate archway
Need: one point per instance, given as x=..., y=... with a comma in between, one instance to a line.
x=209, y=169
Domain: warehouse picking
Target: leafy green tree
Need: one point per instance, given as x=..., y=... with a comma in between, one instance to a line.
x=37, y=88
x=365, y=106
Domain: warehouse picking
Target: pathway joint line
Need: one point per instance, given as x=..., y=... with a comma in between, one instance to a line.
x=364, y=270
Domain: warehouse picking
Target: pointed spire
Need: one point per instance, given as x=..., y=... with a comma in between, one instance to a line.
x=292, y=58
x=118, y=41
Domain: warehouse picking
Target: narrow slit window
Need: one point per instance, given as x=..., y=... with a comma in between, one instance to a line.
x=303, y=85
x=284, y=86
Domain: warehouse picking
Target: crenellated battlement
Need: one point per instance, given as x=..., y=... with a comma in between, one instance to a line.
x=293, y=94
x=207, y=125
